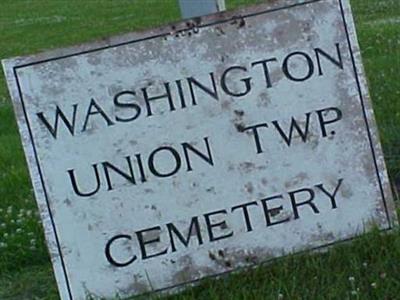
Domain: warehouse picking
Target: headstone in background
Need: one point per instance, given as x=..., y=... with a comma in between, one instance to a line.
x=188, y=151
x=197, y=8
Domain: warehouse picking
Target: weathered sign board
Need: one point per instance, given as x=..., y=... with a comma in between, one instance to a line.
x=162, y=157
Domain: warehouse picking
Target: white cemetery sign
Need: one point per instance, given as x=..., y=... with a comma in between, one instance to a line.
x=162, y=157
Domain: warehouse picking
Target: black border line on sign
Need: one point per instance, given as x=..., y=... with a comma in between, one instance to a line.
x=166, y=34
x=15, y=68
x=43, y=185
x=364, y=113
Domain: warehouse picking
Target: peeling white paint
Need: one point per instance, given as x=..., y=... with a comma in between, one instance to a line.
x=346, y=161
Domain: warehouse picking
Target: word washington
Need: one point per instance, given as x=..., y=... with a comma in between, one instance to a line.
x=156, y=98
x=214, y=226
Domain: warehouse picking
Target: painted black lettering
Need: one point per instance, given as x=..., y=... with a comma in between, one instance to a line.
x=143, y=241
x=194, y=230
x=264, y=64
x=129, y=175
x=336, y=61
x=323, y=113
x=110, y=258
x=246, y=81
x=195, y=83
x=187, y=148
x=332, y=196
x=119, y=103
x=309, y=201
x=155, y=170
x=97, y=111
x=272, y=211
x=75, y=184
x=254, y=129
x=244, y=208
x=69, y=123
x=303, y=133
x=150, y=99
x=286, y=69
x=211, y=225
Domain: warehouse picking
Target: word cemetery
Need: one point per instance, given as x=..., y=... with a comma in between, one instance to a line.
x=163, y=157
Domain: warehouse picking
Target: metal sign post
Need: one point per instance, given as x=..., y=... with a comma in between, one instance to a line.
x=197, y=8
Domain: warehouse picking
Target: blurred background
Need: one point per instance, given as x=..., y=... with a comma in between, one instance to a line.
x=368, y=268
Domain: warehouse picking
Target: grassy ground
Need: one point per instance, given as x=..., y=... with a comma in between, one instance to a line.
x=368, y=268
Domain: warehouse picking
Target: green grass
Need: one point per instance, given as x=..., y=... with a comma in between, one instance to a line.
x=28, y=27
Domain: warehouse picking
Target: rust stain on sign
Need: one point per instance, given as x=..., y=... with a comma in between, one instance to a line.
x=162, y=157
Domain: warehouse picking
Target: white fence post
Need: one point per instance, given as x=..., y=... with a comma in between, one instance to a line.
x=197, y=8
